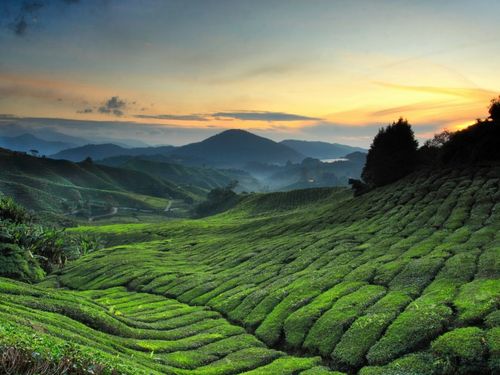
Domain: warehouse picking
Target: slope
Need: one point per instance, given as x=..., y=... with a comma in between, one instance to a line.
x=57, y=185
x=125, y=332
x=404, y=279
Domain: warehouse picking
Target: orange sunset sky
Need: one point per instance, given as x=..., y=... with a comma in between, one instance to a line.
x=317, y=69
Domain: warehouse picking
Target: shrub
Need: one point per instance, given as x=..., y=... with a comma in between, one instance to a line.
x=366, y=330
x=329, y=328
x=11, y=211
x=463, y=350
x=422, y=320
x=476, y=299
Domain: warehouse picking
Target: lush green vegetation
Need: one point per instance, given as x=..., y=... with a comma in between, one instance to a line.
x=29, y=250
x=403, y=279
x=86, y=190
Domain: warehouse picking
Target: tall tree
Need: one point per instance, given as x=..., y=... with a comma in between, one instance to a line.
x=392, y=155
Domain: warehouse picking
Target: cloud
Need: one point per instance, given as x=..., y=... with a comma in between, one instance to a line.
x=27, y=13
x=229, y=116
x=193, y=117
x=468, y=93
x=113, y=106
x=85, y=110
x=263, y=116
x=416, y=107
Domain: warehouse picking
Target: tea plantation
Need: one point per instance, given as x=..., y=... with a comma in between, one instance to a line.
x=401, y=280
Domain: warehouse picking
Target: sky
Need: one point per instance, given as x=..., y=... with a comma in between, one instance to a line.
x=173, y=72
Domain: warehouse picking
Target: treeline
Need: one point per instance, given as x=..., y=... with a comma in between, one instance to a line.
x=29, y=251
x=394, y=152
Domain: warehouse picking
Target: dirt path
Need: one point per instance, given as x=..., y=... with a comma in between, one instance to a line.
x=112, y=212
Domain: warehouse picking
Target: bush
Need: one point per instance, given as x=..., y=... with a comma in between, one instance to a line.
x=423, y=320
x=26, y=248
x=476, y=299
x=218, y=200
x=463, y=350
x=11, y=211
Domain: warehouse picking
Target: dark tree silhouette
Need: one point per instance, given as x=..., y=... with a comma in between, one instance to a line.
x=495, y=110
x=392, y=155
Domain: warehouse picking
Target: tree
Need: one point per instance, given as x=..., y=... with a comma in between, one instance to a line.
x=392, y=155
x=494, y=110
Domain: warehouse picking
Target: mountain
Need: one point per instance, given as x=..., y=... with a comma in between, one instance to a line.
x=27, y=142
x=234, y=148
x=320, y=150
x=107, y=150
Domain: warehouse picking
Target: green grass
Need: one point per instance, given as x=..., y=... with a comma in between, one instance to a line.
x=402, y=280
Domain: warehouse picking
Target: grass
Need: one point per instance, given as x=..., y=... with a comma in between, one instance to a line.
x=402, y=280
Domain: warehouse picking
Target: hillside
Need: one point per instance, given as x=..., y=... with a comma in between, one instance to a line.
x=403, y=279
x=60, y=186
x=235, y=148
x=321, y=150
x=190, y=177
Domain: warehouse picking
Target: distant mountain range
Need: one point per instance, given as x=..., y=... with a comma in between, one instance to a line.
x=108, y=150
x=28, y=142
x=229, y=149
x=321, y=150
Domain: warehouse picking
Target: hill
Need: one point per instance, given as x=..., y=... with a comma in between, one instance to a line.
x=191, y=177
x=321, y=150
x=62, y=186
x=234, y=148
x=107, y=150
x=403, y=279
x=27, y=142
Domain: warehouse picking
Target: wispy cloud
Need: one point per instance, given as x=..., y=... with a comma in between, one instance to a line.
x=463, y=92
x=263, y=116
x=416, y=107
x=193, y=117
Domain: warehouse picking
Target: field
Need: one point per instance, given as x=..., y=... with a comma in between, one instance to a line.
x=402, y=280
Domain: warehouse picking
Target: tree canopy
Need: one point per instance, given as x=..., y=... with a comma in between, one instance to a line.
x=392, y=155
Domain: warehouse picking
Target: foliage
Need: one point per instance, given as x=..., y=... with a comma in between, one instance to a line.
x=13, y=212
x=218, y=200
x=462, y=350
x=392, y=155
x=29, y=250
x=494, y=110
x=384, y=283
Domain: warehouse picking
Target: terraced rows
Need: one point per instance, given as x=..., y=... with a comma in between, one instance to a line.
x=367, y=283
x=138, y=332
